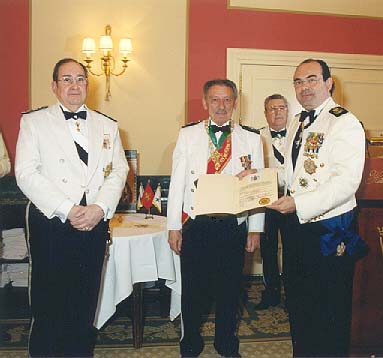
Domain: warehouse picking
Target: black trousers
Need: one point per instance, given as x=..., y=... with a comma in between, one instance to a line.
x=275, y=222
x=66, y=271
x=319, y=293
x=212, y=260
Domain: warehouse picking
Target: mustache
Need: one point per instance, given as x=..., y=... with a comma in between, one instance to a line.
x=306, y=91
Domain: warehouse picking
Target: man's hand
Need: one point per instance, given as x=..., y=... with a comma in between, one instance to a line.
x=253, y=241
x=85, y=218
x=245, y=173
x=175, y=240
x=285, y=205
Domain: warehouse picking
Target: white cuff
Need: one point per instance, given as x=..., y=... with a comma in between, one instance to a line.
x=63, y=210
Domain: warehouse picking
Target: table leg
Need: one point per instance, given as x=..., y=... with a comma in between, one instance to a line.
x=137, y=315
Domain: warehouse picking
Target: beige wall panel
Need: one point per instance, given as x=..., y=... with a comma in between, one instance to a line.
x=149, y=100
x=361, y=92
x=367, y=8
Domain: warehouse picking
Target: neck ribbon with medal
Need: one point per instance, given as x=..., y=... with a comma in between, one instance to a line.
x=220, y=150
x=220, y=155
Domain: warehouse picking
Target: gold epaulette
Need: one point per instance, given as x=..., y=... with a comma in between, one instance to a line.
x=338, y=111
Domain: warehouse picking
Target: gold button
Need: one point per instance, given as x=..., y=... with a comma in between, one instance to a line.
x=192, y=172
x=321, y=165
x=192, y=207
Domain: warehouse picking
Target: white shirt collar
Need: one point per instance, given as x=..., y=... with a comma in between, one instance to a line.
x=82, y=108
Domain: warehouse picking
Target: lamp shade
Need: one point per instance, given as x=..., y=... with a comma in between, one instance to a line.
x=126, y=46
x=88, y=46
x=106, y=43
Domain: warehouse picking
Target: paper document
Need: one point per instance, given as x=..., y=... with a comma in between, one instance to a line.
x=224, y=193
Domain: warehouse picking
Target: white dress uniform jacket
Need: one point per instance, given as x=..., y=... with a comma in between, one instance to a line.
x=268, y=152
x=190, y=159
x=330, y=190
x=48, y=168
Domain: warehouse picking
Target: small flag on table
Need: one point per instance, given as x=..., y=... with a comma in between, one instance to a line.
x=157, y=198
x=148, y=196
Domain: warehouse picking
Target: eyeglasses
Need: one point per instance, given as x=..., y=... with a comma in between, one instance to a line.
x=69, y=80
x=217, y=100
x=311, y=82
x=275, y=109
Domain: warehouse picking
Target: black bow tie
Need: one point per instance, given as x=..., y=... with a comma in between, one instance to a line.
x=69, y=115
x=275, y=134
x=222, y=129
x=305, y=114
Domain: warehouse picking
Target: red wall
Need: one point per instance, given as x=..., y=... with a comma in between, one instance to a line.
x=14, y=62
x=213, y=28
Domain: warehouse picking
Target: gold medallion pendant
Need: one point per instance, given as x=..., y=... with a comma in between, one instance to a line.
x=310, y=166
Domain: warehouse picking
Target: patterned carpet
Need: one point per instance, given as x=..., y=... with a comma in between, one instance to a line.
x=254, y=326
x=271, y=349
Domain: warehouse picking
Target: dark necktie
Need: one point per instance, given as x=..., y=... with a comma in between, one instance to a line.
x=298, y=136
x=280, y=134
x=305, y=114
x=69, y=115
x=222, y=129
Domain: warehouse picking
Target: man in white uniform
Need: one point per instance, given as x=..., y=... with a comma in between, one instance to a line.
x=71, y=165
x=324, y=165
x=211, y=247
x=274, y=139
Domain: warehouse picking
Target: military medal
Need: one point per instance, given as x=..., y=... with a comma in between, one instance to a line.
x=310, y=166
x=106, y=141
x=246, y=161
x=303, y=182
x=107, y=170
x=313, y=143
x=341, y=248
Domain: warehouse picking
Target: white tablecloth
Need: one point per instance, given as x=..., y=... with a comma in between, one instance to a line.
x=139, y=253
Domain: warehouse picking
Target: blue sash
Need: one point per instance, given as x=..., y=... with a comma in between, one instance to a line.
x=340, y=230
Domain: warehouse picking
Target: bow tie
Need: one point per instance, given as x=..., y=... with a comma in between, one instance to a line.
x=222, y=129
x=69, y=115
x=305, y=114
x=275, y=134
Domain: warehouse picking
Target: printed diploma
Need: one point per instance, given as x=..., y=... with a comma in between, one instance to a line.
x=224, y=193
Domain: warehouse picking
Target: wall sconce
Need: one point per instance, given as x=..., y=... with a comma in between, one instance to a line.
x=107, y=60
